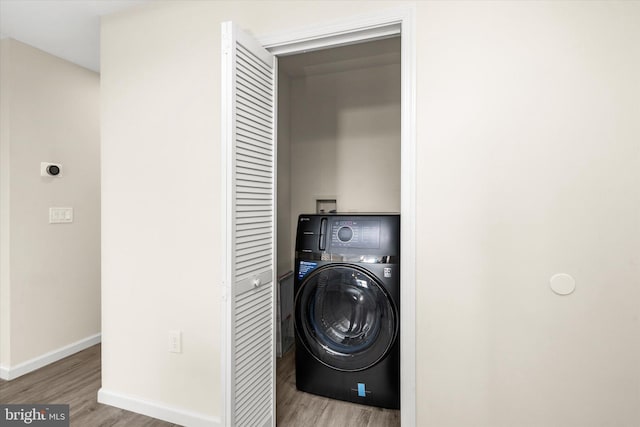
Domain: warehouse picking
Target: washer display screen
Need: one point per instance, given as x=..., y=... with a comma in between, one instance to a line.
x=363, y=234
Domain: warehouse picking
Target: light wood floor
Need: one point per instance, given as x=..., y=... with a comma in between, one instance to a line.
x=75, y=380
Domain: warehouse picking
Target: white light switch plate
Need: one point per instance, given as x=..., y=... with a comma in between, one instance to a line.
x=60, y=215
x=175, y=341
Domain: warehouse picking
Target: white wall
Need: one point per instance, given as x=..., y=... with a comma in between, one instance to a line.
x=50, y=272
x=161, y=206
x=284, y=241
x=528, y=165
x=5, y=295
x=160, y=83
x=345, y=142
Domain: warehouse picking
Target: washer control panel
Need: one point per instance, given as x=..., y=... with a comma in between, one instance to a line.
x=361, y=234
x=352, y=235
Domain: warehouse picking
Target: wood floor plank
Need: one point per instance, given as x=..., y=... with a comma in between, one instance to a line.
x=76, y=379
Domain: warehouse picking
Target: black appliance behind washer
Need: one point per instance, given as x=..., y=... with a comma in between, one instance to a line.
x=347, y=307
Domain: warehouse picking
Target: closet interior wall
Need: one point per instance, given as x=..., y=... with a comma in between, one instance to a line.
x=338, y=134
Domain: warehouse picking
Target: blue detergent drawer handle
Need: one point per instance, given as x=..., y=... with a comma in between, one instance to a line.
x=361, y=391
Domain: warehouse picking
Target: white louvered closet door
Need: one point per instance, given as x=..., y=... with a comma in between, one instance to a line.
x=248, y=91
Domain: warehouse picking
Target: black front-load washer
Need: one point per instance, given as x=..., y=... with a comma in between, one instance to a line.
x=347, y=307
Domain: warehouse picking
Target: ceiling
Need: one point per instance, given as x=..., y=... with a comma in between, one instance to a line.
x=69, y=29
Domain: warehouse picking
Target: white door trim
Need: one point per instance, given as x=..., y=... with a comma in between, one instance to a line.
x=368, y=27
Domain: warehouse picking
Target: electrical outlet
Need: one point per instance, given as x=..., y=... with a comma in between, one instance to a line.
x=175, y=341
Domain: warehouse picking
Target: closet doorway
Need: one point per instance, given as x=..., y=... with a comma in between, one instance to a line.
x=339, y=148
x=245, y=57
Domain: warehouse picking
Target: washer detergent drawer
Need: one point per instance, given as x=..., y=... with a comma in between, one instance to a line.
x=312, y=234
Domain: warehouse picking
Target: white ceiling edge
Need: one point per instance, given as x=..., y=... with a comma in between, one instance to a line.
x=68, y=29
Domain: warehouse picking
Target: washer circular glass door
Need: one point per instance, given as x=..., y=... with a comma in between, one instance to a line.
x=344, y=317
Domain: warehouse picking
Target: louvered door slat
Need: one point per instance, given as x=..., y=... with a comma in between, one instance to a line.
x=246, y=98
x=257, y=236
x=252, y=113
x=249, y=137
x=250, y=68
x=258, y=328
x=243, y=168
x=254, y=219
x=253, y=148
x=254, y=195
x=252, y=161
x=253, y=242
x=246, y=272
x=254, y=189
x=246, y=88
x=246, y=124
x=254, y=83
x=252, y=247
x=254, y=164
x=246, y=230
x=251, y=226
x=243, y=94
x=252, y=253
x=245, y=320
x=252, y=406
x=251, y=124
x=246, y=53
x=251, y=258
x=255, y=68
x=258, y=69
x=247, y=381
x=252, y=138
x=246, y=179
x=257, y=110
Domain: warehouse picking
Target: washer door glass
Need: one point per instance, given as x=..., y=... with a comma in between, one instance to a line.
x=344, y=317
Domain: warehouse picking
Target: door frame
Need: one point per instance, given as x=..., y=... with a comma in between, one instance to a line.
x=369, y=27
x=361, y=28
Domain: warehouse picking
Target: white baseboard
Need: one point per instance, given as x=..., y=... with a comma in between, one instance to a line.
x=13, y=372
x=156, y=410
